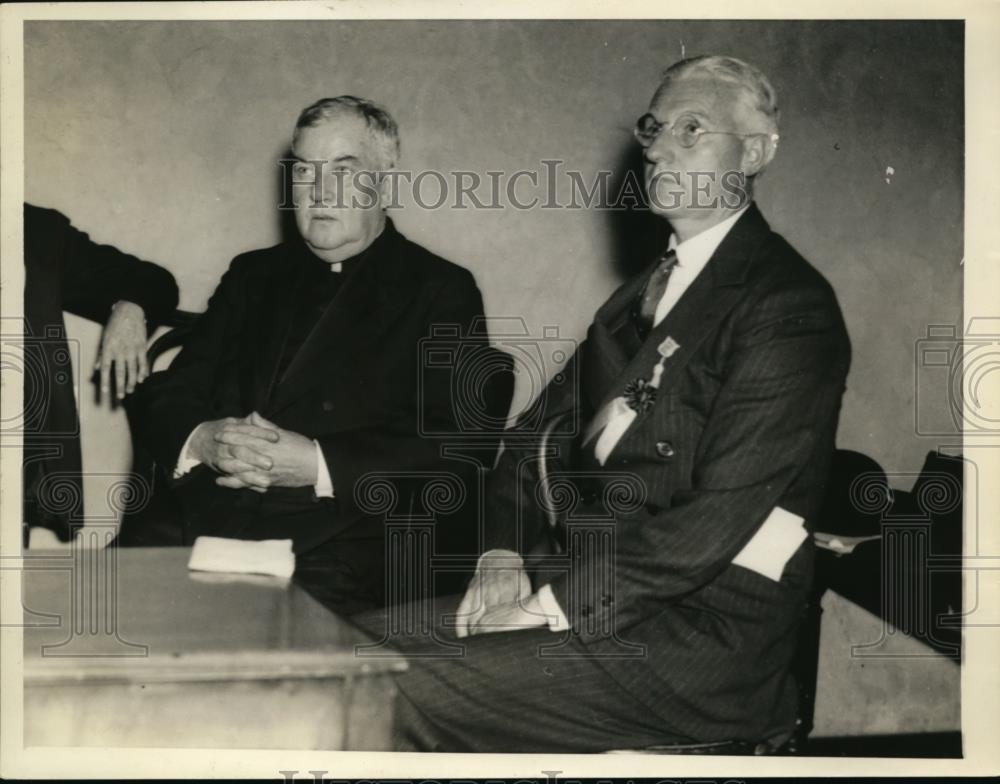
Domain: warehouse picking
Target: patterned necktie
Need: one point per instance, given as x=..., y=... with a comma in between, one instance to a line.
x=653, y=293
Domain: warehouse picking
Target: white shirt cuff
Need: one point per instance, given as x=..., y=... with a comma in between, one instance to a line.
x=553, y=612
x=185, y=463
x=324, y=484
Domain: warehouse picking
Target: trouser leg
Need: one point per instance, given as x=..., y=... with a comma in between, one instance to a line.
x=505, y=694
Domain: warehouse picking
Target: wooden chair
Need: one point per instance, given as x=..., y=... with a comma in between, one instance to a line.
x=150, y=504
x=181, y=323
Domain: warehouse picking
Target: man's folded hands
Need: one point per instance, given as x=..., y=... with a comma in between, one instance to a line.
x=251, y=452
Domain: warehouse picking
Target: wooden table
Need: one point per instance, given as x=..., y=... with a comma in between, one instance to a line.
x=128, y=648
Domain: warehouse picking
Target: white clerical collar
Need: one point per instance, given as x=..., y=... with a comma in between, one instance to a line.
x=693, y=254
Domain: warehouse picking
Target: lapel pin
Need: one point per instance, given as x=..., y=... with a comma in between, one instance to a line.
x=668, y=347
x=640, y=395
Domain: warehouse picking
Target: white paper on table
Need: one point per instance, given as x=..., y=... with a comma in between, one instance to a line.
x=773, y=545
x=238, y=556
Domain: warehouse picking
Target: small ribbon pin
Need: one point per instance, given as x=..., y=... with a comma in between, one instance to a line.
x=640, y=395
x=667, y=348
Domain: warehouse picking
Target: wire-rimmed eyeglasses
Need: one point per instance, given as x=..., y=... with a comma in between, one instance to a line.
x=686, y=129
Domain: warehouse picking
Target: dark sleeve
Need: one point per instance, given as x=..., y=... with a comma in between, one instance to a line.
x=96, y=276
x=171, y=403
x=399, y=446
x=782, y=390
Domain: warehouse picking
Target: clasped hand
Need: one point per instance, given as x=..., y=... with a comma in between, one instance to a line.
x=255, y=453
x=498, y=599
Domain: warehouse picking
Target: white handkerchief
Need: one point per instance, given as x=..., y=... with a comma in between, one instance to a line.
x=618, y=419
x=773, y=544
x=598, y=423
x=270, y=556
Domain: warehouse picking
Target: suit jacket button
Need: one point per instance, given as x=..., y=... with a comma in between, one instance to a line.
x=664, y=449
x=328, y=405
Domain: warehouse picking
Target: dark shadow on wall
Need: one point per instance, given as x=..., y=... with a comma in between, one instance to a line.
x=637, y=234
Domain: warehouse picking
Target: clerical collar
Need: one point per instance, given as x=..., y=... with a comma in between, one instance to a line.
x=352, y=262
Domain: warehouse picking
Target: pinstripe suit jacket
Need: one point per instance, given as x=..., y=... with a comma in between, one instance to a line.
x=744, y=421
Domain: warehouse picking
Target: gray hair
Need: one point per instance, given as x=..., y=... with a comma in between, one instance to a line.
x=729, y=69
x=381, y=125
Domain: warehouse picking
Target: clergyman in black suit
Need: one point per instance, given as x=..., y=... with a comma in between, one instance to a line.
x=67, y=271
x=304, y=373
x=710, y=388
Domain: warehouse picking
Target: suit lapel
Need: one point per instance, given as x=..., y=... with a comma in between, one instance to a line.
x=698, y=313
x=608, y=350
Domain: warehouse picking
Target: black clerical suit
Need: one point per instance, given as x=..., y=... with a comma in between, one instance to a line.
x=65, y=270
x=332, y=356
x=676, y=643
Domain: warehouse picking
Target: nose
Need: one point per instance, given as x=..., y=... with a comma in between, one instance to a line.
x=662, y=150
x=333, y=188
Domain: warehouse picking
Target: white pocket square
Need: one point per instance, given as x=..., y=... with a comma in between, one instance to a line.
x=619, y=418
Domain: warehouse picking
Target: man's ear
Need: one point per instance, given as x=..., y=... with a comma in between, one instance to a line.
x=758, y=151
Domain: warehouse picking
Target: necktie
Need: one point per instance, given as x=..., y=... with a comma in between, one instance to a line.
x=653, y=292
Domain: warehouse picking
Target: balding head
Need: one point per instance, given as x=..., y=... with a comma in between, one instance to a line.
x=761, y=101
x=381, y=126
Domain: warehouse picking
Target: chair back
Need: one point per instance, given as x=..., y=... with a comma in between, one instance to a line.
x=546, y=453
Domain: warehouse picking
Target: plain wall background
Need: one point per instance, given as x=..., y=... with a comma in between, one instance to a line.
x=162, y=138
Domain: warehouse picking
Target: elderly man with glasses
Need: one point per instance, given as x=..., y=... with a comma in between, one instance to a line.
x=710, y=387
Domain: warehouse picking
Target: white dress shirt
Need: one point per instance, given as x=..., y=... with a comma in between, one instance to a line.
x=692, y=256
